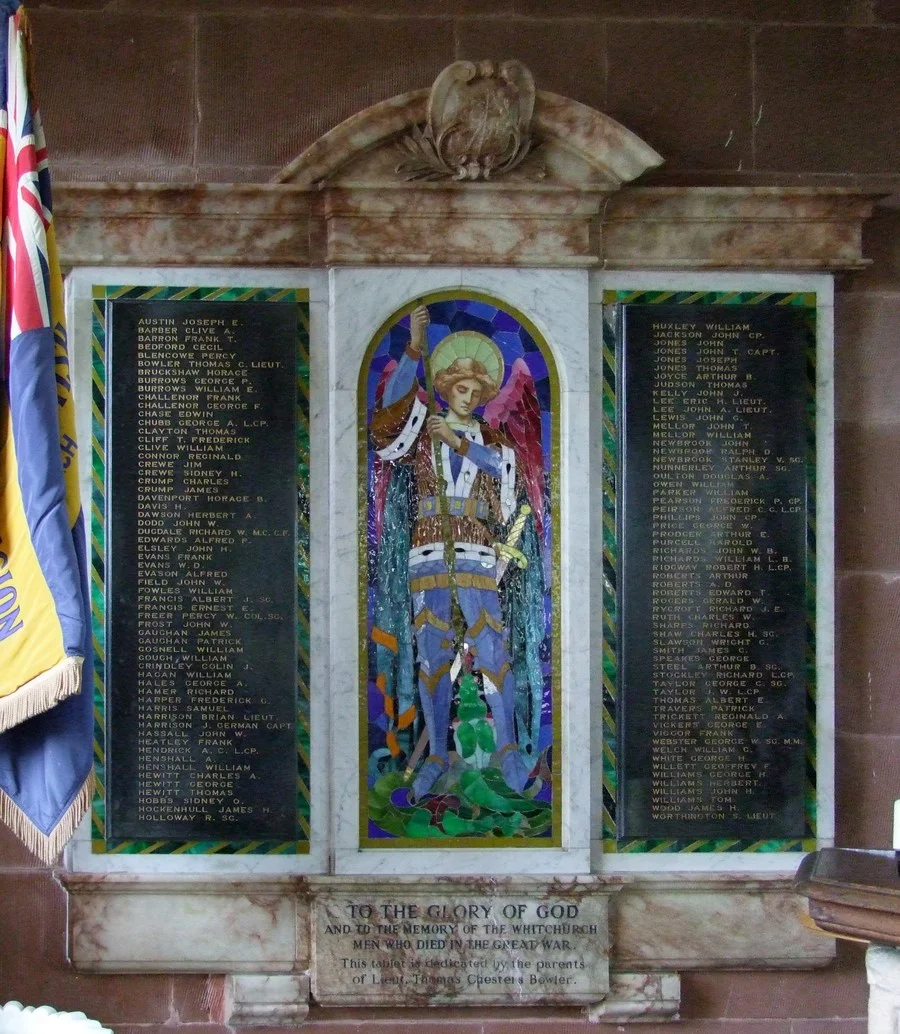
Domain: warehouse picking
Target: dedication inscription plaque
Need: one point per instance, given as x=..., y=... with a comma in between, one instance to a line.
x=465, y=941
x=714, y=500
x=201, y=570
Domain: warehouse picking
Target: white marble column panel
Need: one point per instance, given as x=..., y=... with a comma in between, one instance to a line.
x=557, y=302
x=883, y=971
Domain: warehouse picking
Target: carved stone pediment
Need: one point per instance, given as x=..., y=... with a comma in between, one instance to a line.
x=478, y=125
x=480, y=169
x=482, y=125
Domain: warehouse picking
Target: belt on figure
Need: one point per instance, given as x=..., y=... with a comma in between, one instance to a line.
x=457, y=506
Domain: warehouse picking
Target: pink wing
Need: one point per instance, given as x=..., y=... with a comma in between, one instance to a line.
x=515, y=412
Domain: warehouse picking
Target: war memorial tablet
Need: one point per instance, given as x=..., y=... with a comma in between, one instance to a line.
x=714, y=504
x=484, y=752
x=202, y=586
x=421, y=940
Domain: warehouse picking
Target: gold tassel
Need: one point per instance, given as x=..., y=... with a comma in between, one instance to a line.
x=24, y=23
x=41, y=693
x=47, y=848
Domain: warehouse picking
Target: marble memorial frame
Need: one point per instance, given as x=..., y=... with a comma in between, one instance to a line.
x=340, y=222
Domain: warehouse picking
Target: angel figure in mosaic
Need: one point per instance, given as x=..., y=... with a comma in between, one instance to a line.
x=460, y=610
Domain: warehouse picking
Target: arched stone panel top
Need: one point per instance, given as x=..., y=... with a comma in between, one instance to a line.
x=579, y=148
x=480, y=169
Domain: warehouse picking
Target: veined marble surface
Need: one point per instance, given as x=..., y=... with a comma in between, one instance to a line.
x=382, y=221
x=204, y=923
x=263, y=924
x=679, y=921
x=557, y=302
x=638, y=998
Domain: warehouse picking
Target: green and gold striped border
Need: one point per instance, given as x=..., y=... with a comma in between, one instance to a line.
x=101, y=294
x=611, y=301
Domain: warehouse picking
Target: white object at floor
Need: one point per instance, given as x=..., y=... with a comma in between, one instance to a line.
x=16, y=1018
x=883, y=971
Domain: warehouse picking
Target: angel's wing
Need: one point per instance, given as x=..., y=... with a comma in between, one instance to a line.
x=516, y=413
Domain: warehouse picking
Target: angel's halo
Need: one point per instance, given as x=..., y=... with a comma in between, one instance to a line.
x=469, y=344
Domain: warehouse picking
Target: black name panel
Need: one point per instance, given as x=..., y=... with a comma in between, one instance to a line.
x=712, y=530
x=201, y=578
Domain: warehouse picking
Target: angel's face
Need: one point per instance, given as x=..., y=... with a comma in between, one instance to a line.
x=465, y=396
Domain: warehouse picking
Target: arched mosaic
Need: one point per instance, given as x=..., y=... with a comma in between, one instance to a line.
x=459, y=578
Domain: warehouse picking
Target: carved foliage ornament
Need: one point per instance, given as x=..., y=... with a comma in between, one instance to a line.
x=479, y=121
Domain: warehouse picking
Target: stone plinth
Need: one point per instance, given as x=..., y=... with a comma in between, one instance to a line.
x=206, y=924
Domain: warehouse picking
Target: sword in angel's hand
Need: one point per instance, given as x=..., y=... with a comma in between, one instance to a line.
x=508, y=551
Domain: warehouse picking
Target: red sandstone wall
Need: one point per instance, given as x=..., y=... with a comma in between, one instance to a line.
x=729, y=91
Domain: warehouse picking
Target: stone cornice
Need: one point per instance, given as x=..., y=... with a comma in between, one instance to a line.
x=493, y=224
x=795, y=228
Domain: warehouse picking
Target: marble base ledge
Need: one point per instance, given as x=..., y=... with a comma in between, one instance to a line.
x=253, y=1000
x=283, y=1001
x=713, y=921
x=638, y=998
x=206, y=924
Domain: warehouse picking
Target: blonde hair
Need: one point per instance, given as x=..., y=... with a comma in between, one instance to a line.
x=464, y=369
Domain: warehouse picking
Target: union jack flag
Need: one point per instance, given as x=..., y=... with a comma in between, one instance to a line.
x=45, y=750
x=30, y=211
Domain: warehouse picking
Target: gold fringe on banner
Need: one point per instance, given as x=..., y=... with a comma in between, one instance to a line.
x=47, y=848
x=41, y=693
x=25, y=30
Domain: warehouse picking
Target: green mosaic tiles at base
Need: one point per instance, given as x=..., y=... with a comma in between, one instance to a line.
x=101, y=295
x=611, y=301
